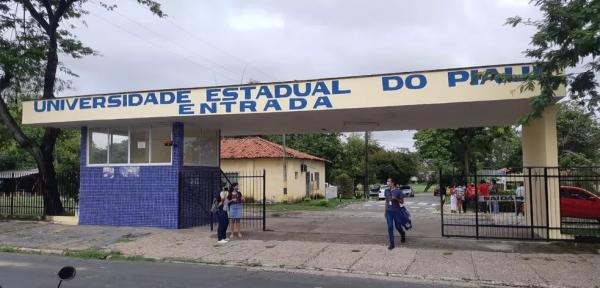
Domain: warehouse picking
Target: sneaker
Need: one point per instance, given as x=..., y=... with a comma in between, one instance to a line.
x=222, y=241
x=227, y=239
x=403, y=239
x=390, y=247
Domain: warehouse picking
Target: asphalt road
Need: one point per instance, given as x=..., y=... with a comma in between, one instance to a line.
x=18, y=270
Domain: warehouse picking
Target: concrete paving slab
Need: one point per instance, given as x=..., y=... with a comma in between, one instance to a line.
x=288, y=254
x=445, y=265
x=498, y=267
x=564, y=270
x=235, y=252
x=379, y=260
x=338, y=257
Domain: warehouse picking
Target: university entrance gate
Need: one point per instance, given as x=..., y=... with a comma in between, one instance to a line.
x=135, y=144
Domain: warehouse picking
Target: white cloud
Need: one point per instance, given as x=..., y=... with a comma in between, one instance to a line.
x=252, y=19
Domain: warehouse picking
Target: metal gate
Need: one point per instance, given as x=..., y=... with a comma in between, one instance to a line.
x=535, y=203
x=198, y=189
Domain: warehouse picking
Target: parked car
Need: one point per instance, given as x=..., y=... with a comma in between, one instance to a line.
x=579, y=203
x=381, y=195
x=374, y=191
x=407, y=191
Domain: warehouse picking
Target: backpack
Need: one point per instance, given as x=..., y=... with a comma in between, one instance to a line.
x=215, y=206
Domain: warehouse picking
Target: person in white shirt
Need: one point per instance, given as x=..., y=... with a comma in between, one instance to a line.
x=520, y=199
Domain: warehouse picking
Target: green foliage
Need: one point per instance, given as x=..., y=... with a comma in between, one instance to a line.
x=345, y=186
x=462, y=148
x=566, y=37
x=392, y=164
x=323, y=202
x=578, y=136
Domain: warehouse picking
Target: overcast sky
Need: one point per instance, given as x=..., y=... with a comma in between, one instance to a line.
x=227, y=42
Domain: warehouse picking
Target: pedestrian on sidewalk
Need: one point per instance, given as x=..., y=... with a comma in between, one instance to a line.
x=471, y=197
x=460, y=198
x=453, y=206
x=495, y=191
x=394, y=198
x=520, y=199
x=235, y=209
x=222, y=217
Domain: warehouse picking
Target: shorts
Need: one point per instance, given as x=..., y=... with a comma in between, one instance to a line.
x=235, y=211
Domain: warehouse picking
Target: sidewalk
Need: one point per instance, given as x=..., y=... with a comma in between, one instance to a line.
x=486, y=266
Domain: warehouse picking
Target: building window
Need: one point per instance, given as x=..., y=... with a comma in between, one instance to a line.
x=159, y=152
x=119, y=142
x=98, y=148
x=317, y=179
x=140, y=145
x=136, y=145
x=201, y=147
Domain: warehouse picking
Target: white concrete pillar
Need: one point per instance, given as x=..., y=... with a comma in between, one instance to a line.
x=540, y=157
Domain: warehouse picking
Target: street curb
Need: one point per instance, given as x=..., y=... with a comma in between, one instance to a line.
x=418, y=279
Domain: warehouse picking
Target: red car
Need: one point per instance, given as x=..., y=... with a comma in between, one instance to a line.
x=579, y=203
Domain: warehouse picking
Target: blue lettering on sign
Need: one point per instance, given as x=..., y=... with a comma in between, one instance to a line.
x=297, y=103
x=410, y=84
x=230, y=94
x=183, y=96
x=134, y=99
x=272, y=103
x=166, y=98
x=212, y=94
x=248, y=91
x=186, y=109
x=98, y=102
x=457, y=76
x=391, y=83
x=151, y=98
x=210, y=107
x=322, y=101
x=247, y=105
x=84, y=103
x=227, y=106
x=39, y=106
x=72, y=104
x=306, y=92
x=335, y=87
x=114, y=101
x=320, y=87
x=279, y=91
x=264, y=91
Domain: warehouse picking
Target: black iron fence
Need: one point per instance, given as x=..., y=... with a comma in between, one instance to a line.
x=197, y=191
x=537, y=203
x=252, y=185
x=20, y=194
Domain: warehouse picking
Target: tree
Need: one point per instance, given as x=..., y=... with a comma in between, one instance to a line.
x=566, y=37
x=393, y=164
x=463, y=147
x=29, y=60
x=578, y=136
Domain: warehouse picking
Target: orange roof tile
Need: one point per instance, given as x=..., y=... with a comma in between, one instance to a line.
x=256, y=147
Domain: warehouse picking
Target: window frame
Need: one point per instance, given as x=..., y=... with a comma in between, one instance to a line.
x=128, y=164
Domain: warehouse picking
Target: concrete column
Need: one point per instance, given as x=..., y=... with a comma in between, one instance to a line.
x=540, y=159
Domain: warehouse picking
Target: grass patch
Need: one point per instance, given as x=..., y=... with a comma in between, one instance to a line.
x=8, y=249
x=420, y=188
x=311, y=205
x=103, y=255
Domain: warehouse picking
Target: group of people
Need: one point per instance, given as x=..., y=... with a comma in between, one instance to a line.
x=228, y=208
x=462, y=197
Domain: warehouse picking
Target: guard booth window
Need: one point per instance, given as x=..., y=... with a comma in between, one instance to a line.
x=201, y=147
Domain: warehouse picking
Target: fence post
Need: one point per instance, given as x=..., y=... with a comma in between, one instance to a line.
x=530, y=204
x=12, y=193
x=546, y=202
x=264, y=201
x=442, y=194
x=476, y=202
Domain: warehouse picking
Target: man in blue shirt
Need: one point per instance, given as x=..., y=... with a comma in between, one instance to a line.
x=393, y=199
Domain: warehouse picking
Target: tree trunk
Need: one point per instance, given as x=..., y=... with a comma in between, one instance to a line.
x=47, y=175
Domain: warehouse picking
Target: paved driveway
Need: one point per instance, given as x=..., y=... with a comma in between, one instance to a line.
x=362, y=220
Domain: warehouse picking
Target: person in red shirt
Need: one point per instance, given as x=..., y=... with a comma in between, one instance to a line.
x=471, y=197
x=483, y=190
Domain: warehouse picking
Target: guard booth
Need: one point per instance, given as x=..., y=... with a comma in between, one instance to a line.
x=135, y=144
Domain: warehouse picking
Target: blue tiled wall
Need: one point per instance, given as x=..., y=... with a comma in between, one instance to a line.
x=151, y=199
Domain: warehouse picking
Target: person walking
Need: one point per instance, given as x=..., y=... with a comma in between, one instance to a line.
x=520, y=200
x=235, y=209
x=495, y=191
x=471, y=197
x=460, y=199
x=483, y=191
x=222, y=218
x=453, y=206
x=393, y=216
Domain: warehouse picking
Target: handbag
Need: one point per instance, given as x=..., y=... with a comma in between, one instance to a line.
x=215, y=206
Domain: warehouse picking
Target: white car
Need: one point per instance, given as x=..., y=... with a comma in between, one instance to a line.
x=382, y=192
x=407, y=191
